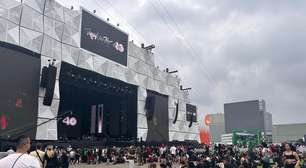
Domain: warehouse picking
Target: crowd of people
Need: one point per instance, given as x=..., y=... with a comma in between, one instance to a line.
x=164, y=156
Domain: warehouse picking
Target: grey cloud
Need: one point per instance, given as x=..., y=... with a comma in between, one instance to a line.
x=252, y=50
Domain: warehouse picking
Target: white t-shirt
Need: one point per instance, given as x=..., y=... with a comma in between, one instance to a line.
x=10, y=151
x=173, y=150
x=162, y=150
x=25, y=161
x=39, y=157
x=72, y=154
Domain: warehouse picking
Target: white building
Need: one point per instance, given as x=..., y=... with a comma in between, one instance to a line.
x=54, y=32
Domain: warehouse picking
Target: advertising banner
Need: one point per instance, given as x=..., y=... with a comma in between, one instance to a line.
x=103, y=39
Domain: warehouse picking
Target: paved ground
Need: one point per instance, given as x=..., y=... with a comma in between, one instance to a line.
x=106, y=165
x=103, y=165
x=110, y=166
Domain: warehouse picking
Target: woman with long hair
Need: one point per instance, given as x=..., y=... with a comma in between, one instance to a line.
x=290, y=157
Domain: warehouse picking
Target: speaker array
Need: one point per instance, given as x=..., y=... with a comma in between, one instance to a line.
x=48, y=79
x=150, y=107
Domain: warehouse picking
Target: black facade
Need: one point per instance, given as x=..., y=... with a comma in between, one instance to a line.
x=19, y=86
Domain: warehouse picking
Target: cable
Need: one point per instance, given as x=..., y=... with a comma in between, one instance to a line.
x=33, y=125
x=172, y=30
x=191, y=49
x=205, y=71
x=121, y=18
x=112, y=6
x=182, y=33
x=125, y=20
x=160, y=60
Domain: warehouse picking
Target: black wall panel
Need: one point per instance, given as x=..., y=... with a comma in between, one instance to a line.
x=158, y=126
x=19, y=86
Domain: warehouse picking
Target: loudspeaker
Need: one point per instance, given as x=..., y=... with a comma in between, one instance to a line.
x=50, y=85
x=191, y=112
x=150, y=107
x=190, y=124
x=44, y=77
x=176, y=111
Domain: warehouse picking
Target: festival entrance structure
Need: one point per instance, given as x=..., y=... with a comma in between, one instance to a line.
x=84, y=77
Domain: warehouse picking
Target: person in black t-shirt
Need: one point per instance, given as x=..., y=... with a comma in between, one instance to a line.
x=50, y=158
x=64, y=159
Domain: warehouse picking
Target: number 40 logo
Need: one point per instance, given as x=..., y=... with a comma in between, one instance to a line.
x=70, y=121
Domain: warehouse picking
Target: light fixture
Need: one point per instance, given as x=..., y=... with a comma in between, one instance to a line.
x=184, y=89
x=170, y=72
x=150, y=47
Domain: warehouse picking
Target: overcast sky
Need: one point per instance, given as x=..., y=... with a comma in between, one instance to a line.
x=225, y=50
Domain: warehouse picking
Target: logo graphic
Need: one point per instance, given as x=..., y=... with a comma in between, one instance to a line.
x=70, y=121
x=104, y=39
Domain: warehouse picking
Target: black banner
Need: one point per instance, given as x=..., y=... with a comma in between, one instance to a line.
x=103, y=39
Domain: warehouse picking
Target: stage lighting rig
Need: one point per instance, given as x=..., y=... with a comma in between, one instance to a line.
x=150, y=47
x=171, y=72
x=51, y=62
x=184, y=89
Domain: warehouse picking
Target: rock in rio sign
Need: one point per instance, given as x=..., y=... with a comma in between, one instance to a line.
x=103, y=39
